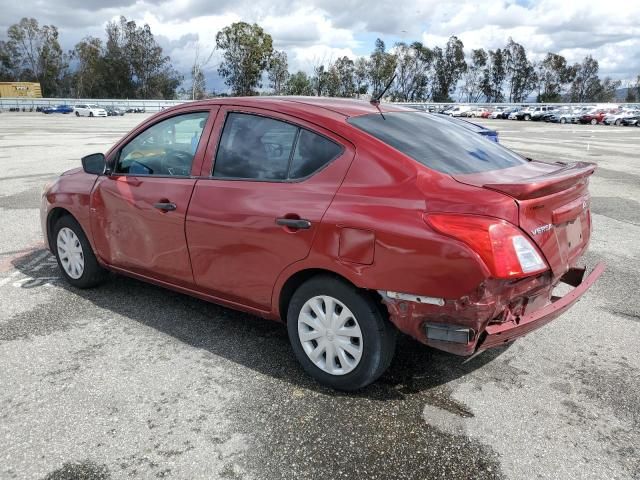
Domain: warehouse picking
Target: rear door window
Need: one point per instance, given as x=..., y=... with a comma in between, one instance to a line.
x=254, y=147
x=311, y=154
x=436, y=142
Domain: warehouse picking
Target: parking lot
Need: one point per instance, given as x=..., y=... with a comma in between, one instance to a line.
x=133, y=381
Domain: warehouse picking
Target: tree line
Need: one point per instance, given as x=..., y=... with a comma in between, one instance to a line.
x=129, y=63
x=422, y=73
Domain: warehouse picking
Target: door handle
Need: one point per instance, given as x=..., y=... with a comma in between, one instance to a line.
x=294, y=223
x=165, y=206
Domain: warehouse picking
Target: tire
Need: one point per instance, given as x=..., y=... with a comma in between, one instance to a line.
x=563, y=120
x=91, y=114
x=374, y=340
x=77, y=114
x=617, y=122
x=91, y=273
x=638, y=123
x=527, y=117
x=594, y=121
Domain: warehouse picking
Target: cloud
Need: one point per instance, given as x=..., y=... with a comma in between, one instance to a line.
x=311, y=31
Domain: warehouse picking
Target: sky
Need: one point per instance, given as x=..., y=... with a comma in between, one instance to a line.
x=315, y=31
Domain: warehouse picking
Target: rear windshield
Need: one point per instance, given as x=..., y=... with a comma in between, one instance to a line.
x=436, y=142
x=463, y=123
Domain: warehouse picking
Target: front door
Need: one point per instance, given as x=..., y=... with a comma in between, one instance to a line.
x=138, y=211
x=272, y=181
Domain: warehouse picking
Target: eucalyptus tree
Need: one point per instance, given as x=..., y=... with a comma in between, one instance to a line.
x=246, y=51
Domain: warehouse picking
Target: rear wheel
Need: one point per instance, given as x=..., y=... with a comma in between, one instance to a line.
x=594, y=121
x=527, y=117
x=77, y=114
x=563, y=120
x=618, y=122
x=75, y=255
x=91, y=114
x=339, y=333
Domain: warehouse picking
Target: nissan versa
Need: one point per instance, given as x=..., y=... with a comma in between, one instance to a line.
x=345, y=219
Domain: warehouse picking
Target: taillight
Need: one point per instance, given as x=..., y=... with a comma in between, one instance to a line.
x=504, y=248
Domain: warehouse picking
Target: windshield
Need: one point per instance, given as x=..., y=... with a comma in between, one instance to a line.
x=436, y=142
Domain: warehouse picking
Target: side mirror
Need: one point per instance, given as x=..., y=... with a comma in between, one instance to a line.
x=96, y=163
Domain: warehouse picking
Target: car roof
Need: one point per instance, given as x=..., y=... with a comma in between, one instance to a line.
x=318, y=105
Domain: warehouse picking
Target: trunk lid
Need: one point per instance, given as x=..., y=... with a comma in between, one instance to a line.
x=553, y=205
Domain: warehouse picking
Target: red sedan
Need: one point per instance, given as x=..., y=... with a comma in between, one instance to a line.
x=593, y=118
x=346, y=220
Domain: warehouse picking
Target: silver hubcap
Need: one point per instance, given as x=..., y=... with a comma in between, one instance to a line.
x=70, y=253
x=330, y=335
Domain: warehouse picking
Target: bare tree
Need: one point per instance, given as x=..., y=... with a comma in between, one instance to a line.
x=198, y=82
x=278, y=71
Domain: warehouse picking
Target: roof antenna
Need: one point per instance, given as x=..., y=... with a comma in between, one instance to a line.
x=376, y=101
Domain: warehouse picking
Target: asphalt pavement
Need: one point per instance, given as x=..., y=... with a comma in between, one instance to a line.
x=132, y=381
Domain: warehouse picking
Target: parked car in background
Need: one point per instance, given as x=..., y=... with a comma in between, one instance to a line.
x=114, y=111
x=530, y=113
x=488, y=133
x=616, y=118
x=546, y=116
x=89, y=110
x=513, y=114
x=445, y=109
x=497, y=113
x=561, y=115
x=57, y=109
x=344, y=220
x=539, y=113
x=458, y=111
x=479, y=112
x=594, y=117
x=135, y=110
x=631, y=121
x=504, y=113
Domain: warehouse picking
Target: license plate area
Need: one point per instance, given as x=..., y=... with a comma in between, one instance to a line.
x=574, y=234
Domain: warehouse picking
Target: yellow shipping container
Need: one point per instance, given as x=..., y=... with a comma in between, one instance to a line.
x=20, y=89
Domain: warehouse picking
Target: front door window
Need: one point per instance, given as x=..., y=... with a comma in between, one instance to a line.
x=164, y=149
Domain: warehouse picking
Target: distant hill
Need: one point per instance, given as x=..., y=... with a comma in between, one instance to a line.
x=621, y=94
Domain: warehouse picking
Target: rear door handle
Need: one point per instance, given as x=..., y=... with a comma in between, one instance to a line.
x=294, y=223
x=165, y=206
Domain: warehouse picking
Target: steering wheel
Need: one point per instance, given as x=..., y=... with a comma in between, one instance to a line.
x=177, y=162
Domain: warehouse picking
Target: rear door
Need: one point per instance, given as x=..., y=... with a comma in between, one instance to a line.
x=271, y=179
x=138, y=211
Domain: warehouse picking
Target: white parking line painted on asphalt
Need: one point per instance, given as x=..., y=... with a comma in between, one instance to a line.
x=37, y=259
x=30, y=282
x=7, y=279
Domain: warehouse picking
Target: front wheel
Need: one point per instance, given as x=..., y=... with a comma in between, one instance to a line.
x=563, y=120
x=594, y=121
x=527, y=117
x=77, y=114
x=91, y=114
x=74, y=254
x=339, y=333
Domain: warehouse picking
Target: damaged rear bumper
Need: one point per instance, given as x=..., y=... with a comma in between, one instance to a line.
x=469, y=327
x=495, y=335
